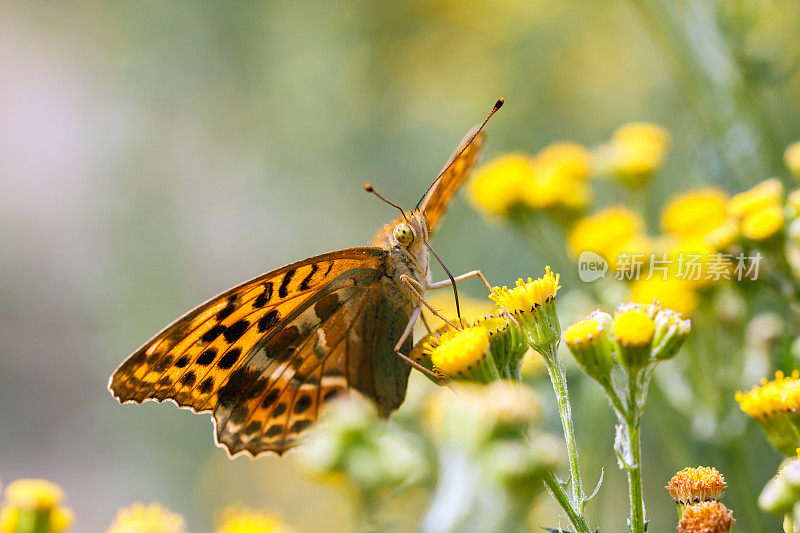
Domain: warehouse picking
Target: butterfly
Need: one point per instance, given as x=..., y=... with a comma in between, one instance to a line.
x=265, y=356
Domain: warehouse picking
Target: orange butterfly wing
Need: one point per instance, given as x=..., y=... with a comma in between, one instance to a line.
x=436, y=201
x=241, y=344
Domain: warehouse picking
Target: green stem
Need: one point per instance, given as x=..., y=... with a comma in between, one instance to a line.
x=633, y=463
x=635, y=477
x=563, y=500
x=558, y=376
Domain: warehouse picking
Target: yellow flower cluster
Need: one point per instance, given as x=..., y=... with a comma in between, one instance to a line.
x=554, y=178
x=528, y=295
x=707, y=517
x=239, y=519
x=34, y=500
x=608, y=233
x=141, y=518
x=778, y=395
x=636, y=151
x=694, y=485
x=758, y=211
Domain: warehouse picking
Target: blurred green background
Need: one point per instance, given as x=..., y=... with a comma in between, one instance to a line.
x=155, y=153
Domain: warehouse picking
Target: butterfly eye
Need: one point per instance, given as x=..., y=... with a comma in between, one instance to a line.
x=403, y=234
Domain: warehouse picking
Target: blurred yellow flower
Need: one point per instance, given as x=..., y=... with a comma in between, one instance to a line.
x=636, y=151
x=607, y=233
x=765, y=194
x=695, y=213
x=498, y=185
x=34, y=494
x=153, y=518
x=793, y=201
x=567, y=159
x=792, y=158
x=237, y=519
x=777, y=396
x=34, y=499
x=672, y=293
x=696, y=262
x=723, y=237
x=762, y=224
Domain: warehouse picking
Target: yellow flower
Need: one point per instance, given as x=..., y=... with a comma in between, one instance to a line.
x=781, y=394
x=672, y=293
x=570, y=160
x=695, y=213
x=793, y=201
x=237, y=519
x=532, y=305
x=775, y=406
x=694, y=485
x=560, y=176
x=706, y=517
x=762, y=224
x=607, y=233
x=28, y=497
x=633, y=330
x=637, y=150
x=34, y=494
x=765, y=194
x=498, y=185
x=792, y=158
x=589, y=343
x=527, y=295
x=463, y=355
x=697, y=263
x=724, y=236
x=153, y=518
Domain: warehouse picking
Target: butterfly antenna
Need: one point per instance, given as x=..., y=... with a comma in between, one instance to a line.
x=452, y=281
x=370, y=188
x=497, y=106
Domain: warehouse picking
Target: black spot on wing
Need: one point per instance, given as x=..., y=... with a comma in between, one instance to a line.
x=188, y=379
x=270, y=398
x=226, y=311
x=206, y=385
x=304, y=285
x=268, y=321
x=238, y=385
x=213, y=333
x=283, y=291
x=229, y=359
x=235, y=331
x=274, y=430
x=182, y=361
x=264, y=297
x=279, y=409
x=302, y=403
x=299, y=426
x=207, y=357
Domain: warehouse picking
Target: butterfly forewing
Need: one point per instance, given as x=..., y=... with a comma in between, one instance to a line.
x=192, y=360
x=435, y=203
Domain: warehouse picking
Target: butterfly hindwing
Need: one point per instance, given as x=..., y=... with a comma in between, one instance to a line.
x=341, y=340
x=436, y=201
x=191, y=359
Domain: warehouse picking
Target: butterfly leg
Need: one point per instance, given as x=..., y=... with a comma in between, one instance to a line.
x=417, y=289
x=462, y=277
x=472, y=274
x=409, y=328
